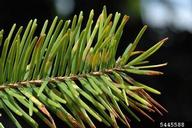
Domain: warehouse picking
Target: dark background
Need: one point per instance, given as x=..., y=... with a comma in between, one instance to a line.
x=175, y=85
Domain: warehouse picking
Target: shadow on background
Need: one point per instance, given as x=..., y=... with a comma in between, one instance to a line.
x=165, y=18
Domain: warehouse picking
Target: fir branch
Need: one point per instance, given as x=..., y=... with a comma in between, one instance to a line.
x=66, y=68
